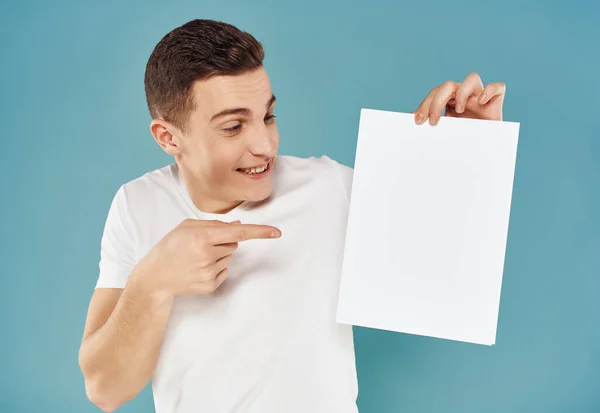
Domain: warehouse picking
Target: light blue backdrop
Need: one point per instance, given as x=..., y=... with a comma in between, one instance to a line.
x=74, y=126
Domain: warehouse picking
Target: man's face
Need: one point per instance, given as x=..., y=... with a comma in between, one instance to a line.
x=231, y=130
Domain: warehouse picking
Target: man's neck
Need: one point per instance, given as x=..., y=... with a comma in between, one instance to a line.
x=205, y=202
x=214, y=206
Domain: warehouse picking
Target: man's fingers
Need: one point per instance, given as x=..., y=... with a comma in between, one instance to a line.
x=212, y=222
x=470, y=86
x=220, y=264
x=445, y=93
x=221, y=276
x=224, y=249
x=242, y=232
x=216, y=222
x=422, y=112
x=491, y=90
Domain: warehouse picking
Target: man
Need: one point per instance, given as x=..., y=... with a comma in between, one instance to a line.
x=219, y=273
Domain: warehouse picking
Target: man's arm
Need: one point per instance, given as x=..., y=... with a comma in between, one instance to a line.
x=121, y=342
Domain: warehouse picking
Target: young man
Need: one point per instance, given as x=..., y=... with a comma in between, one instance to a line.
x=219, y=273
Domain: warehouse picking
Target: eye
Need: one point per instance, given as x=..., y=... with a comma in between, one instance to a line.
x=233, y=129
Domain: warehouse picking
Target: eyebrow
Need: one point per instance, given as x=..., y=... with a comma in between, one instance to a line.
x=240, y=111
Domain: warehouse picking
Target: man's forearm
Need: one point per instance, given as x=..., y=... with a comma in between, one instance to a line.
x=119, y=358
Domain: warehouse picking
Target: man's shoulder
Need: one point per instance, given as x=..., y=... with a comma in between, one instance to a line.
x=152, y=180
x=148, y=188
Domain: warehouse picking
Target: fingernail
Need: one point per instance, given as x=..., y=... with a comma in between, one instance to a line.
x=458, y=109
x=431, y=119
x=419, y=118
x=482, y=98
x=275, y=234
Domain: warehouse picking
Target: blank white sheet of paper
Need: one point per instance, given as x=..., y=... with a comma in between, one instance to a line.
x=428, y=225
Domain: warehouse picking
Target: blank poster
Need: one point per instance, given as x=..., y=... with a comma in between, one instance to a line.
x=427, y=226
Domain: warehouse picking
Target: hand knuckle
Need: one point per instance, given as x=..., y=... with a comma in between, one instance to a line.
x=222, y=275
x=212, y=285
x=200, y=238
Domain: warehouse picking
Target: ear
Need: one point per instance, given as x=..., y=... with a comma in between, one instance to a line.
x=167, y=135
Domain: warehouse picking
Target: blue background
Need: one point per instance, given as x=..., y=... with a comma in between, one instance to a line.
x=74, y=127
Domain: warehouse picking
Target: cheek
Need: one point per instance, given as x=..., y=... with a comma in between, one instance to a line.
x=275, y=136
x=221, y=161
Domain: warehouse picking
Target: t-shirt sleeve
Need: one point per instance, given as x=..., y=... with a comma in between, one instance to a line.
x=344, y=173
x=117, y=248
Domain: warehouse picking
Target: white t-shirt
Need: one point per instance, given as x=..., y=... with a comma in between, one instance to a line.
x=266, y=341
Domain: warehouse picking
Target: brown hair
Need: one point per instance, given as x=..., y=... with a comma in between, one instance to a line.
x=195, y=51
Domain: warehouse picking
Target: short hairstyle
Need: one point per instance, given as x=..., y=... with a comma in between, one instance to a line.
x=197, y=50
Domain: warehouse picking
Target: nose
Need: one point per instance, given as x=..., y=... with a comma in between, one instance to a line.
x=263, y=142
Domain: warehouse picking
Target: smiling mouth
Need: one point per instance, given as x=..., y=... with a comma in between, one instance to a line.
x=255, y=171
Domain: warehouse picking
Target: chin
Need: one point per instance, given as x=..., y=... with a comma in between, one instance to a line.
x=259, y=195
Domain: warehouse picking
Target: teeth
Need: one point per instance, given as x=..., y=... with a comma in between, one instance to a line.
x=255, y=170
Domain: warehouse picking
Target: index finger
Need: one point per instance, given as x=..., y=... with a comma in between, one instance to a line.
x=242, y=232
x=422, y=112
x=445, y=93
